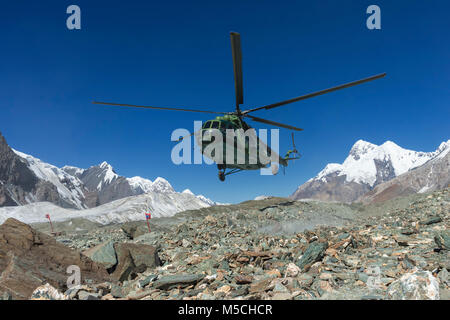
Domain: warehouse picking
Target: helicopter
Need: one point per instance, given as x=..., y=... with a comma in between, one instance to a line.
x=226, y=122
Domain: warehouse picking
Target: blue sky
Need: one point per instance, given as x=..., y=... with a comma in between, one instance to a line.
x=177, y=53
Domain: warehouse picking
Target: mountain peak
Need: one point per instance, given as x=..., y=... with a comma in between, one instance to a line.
x=139, y=183
x=105, y=165
x=361, y=147
x=390, y=146
x=390, y=143
x=161, y=180
x=361, y=144
x=161, y=185
x=444, y=145
x=187, y=191
x=74, y=171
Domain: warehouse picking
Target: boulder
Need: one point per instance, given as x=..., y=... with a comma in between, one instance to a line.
x=260, y=286
x=29, y=259
x=134, y=258
x=84, y=295
x=103, y=253
x=313, y=253
x=443, y=240
x=292, y=270
x=134, y=229
x=47, y=292
x=417, y=285
x=179, y=280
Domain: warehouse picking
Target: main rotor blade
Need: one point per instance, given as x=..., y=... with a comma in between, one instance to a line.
x=237, y=66
x=318, y=93
x=189, y=135
x=273, y=123
x=160, y=108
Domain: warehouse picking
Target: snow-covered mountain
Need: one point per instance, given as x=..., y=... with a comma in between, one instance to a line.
x=140, y=185
x=103, y=184
x=204, y=199
x=69, y=187
x=25, y=179
x=366, y=166
x=103, y=181
x=431, y=176
x=161, y=185
x=19, y=184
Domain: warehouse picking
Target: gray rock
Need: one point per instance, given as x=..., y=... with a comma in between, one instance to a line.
x=206, y=296
x=84, y=295
x=313, y=253
x=146, y=281
x=305, y=280
x=372, y=297
x=118, y=291
x=418, y=285
x=279, y=288
x=443, y=240
x=241, y=291
x=431, y=220
x=47, y=292
x=7, y=296
x=103, y=253
x=444, y=294
x=167, y=282
x=443, y=277
x=134, y=258
x=72, y=292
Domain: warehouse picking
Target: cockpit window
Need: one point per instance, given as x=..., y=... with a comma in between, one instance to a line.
x=215, y=125
x=207, y=125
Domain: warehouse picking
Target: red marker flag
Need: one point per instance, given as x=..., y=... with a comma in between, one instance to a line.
x=51, y=225
x=148, y=216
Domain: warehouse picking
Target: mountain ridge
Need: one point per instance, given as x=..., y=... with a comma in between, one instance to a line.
x=25, y=179
x=366, y=166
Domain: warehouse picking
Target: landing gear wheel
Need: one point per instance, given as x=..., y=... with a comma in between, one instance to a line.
x=221, y=176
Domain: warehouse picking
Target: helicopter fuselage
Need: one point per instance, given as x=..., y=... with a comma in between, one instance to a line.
x=244, y=144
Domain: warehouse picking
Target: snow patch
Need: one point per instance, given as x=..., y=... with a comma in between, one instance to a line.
x=139, y=182
x=161, y=185
x=188, y=191
x=262, y=197
x=74, y=171
x=127, y=209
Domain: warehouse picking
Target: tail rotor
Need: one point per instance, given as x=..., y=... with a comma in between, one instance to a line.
x=295, y=152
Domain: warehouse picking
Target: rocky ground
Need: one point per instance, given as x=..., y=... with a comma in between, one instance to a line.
x=269, y=249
